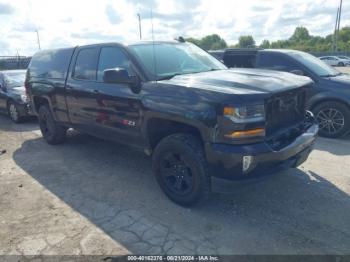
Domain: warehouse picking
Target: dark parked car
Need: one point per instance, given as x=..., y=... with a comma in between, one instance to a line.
x=329, y=96
x=13, y=98
x=176, y=102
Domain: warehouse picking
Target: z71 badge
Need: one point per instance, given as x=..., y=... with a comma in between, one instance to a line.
x=128, y=122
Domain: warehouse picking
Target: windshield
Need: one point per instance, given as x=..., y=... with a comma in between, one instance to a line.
x=14, y=79
x=314, y=64
x=165, y=60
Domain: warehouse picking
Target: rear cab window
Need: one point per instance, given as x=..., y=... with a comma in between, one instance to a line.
x=51, y=63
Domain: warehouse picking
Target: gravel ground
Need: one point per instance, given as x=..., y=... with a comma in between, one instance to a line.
x=90, y=196
x=344, y=69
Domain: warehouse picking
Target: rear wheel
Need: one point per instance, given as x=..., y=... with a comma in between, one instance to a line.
x=13, y=112
x=333, y=119
x=52, y=132
x=180, y=168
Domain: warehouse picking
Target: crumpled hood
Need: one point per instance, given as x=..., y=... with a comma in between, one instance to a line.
x=18, y=90
x=341, y=79
x=241, y=81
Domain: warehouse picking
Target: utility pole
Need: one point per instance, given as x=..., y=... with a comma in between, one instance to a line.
x=337, y=26
x=335, y=32
x=140, y=25
x=340, y=9
x=38, y=38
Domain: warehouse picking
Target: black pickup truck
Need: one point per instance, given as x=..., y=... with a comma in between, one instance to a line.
x=196, y=118
x=329, y=96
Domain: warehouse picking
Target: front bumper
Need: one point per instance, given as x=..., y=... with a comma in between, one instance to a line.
x=226, y=161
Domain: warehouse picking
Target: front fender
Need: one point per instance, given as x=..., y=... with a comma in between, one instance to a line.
x=195, y=113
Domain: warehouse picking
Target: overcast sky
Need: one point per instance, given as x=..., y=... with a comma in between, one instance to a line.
x=73, y=22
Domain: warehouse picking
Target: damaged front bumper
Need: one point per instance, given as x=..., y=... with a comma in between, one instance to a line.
x=245, y=161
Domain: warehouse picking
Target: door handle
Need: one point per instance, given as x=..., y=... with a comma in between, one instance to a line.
x=96, y=91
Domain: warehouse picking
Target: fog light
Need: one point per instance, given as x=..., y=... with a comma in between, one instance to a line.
x=247, y=162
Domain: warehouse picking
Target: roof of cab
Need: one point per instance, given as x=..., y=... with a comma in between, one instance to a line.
x=143, y=42
x=115, y=43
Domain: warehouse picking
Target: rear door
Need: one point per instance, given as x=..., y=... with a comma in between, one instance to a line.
x=119, y=108
x=81, y=90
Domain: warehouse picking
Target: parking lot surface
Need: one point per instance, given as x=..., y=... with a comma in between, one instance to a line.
x=344, y=69
x=90, y=196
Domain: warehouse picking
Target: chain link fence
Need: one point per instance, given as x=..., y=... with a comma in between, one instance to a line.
x=14, y=62
x=318, y=54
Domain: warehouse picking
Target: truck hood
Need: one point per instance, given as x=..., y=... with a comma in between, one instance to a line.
x=241, y=81
x=343, y=79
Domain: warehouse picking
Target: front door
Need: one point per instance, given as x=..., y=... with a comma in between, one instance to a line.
x=119, y=108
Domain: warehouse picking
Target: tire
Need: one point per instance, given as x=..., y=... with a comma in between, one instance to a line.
x=333, y=118
x=13, y=112
x=52, y=132
x=181, y=170
x=341, y=64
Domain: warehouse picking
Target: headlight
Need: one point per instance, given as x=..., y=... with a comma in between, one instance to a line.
x=245, y=114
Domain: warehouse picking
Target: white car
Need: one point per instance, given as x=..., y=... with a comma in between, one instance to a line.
x=344, y=57
x=335, y=61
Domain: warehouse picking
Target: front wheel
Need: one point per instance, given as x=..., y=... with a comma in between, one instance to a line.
x=333, y=119
x=52, y=132
x=341, y=64
x=180, y=168
x=13, y=112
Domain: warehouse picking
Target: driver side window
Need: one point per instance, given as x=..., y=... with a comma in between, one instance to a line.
x=111, y=57
x=275, y=61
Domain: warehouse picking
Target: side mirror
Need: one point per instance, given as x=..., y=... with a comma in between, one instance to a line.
x=118, y=76
x=297, y=72
x=121, y=76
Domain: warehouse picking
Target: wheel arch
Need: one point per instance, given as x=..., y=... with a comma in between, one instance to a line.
x=328, y=99
x=39, y=101
x=157, y=128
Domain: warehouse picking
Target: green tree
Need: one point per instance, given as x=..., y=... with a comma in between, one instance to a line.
x=344, y=34
x=193, y=40
x=301, y=34
x=265, y=44
x=299, y=40
x=209, y=42
x=213, y=42
x=280, y=44
x=245, y=41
